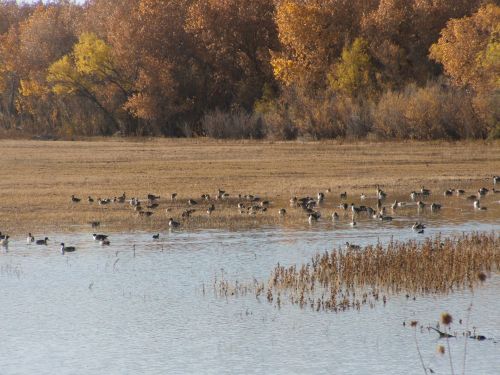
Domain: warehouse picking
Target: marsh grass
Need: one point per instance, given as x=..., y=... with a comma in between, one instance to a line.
x=344, y=279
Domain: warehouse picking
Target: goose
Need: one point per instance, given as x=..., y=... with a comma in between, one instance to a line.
x=90, y=199
x=395, y=205
x=460, y=191
x=418, y=226
x=75, y=199
x=353, y=222
x=335, y=216
x=103, y=202
x=99, y=237
x=173, y=196
x=241, y=206
x=414, y=195
x=264, y=203
x=173, y=224
x=152, y=206
x=425, y=192
x=67, y=249
x=282, y=212
x=153, y=197
x=343, y=206
x=354, y=209
x=435, y=207
x=385, y=218
x=420, y=205
x=192, y=202
x=496, y=180
x=293, y=201
x=370, y=211
x=30, y=239
x=362, y=196
x=104, y=242
x=211, y=209
x=482, y=191
x=156, y=236
x=42, y=242
x=4, y=242
x=95, y=224
x=313, y=217
x=448, y=192
x=321, y=196
x=343, y=195
x=205, y=197
x=349, y=246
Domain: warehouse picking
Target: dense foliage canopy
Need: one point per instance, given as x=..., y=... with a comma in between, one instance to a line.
x=419, y=69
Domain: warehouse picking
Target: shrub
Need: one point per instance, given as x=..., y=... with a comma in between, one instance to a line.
x=235, y=124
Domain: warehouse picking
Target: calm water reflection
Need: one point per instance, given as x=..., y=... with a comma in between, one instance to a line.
x=115, y=311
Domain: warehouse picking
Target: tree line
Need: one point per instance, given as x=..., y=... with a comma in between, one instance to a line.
x=404, y=69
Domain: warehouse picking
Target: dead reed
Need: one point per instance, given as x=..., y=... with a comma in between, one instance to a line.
x=344, y=279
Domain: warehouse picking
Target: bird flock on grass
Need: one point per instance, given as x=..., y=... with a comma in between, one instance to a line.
x=252, y=205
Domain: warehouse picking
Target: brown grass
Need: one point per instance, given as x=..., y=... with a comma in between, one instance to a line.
x=344, y=279
x=39, y=177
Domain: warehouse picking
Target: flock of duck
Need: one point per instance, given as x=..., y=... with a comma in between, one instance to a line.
x=252, y=204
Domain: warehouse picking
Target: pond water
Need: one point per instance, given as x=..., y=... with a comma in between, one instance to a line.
x=148, y=307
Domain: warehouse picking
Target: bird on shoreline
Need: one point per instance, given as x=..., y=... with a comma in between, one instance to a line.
x=173, y=224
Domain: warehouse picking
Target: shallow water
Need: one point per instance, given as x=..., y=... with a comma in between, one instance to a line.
x=152, y=310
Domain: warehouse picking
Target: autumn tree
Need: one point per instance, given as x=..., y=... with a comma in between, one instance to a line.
x=354, y=74
x=233, y=39
x=469, y=50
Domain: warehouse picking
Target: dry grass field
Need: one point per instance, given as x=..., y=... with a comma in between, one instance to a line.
x=39, y=177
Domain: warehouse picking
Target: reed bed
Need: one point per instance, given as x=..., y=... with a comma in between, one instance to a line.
x=350, y=278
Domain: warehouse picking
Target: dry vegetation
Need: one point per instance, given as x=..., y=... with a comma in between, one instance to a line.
x=350, y=278
x=39, y=177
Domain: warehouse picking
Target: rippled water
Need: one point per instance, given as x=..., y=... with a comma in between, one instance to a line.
x=120, y=310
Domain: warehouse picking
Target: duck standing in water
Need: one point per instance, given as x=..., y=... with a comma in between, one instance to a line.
x=67, y=249
x=30, y=239
x=4, y=242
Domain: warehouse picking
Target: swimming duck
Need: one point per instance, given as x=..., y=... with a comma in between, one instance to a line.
x=105, y=242
x=435, y=207
x=173, y=224
x=418, y=226
x=67, y=249
x=349, y=246
x=30, y=239
x=156, y=236
x=42, y=242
